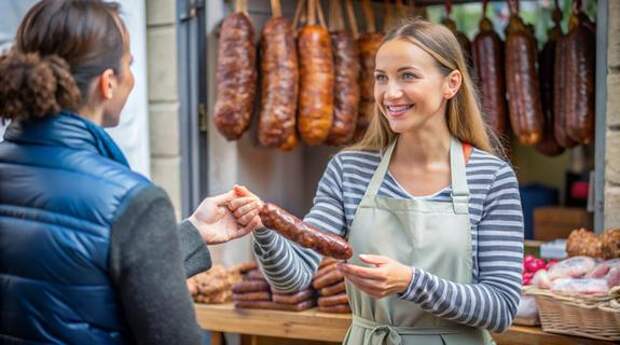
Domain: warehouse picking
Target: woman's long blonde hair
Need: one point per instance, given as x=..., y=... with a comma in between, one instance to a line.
x=463, y=111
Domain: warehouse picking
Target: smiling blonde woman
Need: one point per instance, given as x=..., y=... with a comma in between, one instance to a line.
x=433, y=215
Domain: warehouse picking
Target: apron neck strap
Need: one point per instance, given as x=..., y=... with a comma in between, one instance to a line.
x=460, y=190
x=379, y=175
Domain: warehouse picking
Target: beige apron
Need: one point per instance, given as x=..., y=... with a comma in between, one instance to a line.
x=433, y=236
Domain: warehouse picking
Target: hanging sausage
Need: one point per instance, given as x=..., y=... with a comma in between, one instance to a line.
x=235, y=74
x=559, y=92
x=280, y=80
x=316, y=101
x=488, y=58
x=549, y=145
x=347, y=72
x=369, y=43
x=460, y=36
x=522, y=84
x=389, y=19
x=580, y=64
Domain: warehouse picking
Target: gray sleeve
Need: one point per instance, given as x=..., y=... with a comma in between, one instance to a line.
x=150, y=257
x=196, y=257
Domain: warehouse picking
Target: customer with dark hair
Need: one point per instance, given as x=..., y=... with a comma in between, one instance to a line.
x=90, y=252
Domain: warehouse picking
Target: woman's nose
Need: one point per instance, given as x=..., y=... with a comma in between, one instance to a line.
x=393, y=91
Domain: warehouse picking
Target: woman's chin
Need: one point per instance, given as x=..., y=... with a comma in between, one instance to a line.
x=399, y=127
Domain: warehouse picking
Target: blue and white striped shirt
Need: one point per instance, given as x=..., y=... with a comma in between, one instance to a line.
x=496, y=219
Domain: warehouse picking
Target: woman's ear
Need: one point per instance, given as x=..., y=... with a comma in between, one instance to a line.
x=453, y=84
x=107, y=84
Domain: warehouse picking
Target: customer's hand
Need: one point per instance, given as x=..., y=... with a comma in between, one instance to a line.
x=216, y=223
x=246, y=208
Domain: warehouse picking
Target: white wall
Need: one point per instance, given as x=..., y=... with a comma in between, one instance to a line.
x=132, y=133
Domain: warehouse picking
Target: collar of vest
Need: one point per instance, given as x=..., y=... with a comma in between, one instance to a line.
x=67, y=130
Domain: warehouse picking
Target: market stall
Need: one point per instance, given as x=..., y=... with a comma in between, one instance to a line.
x=537, y=87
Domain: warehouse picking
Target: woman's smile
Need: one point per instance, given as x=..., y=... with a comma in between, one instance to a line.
x=397, y=111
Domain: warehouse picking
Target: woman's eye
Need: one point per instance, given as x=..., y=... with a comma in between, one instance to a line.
x=380, y=77
x=409, y=76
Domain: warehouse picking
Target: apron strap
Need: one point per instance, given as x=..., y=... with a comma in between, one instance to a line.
x=379, y=175
x=460, y=190
x=385, y=334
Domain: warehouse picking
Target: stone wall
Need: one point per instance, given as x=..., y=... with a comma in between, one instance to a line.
x=612, y=160
x=163, y=98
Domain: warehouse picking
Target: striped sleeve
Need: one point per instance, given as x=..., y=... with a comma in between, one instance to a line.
x=287, y=266
x=490, y=302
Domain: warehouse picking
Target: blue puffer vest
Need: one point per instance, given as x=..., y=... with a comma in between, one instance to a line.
x=63, y=182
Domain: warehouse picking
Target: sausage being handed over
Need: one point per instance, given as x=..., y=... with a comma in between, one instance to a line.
x=304, y=234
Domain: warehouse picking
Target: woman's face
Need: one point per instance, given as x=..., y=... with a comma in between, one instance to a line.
x=124, y=83
x=410, y=89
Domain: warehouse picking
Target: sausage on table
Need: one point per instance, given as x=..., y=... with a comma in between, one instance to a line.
x=336, y=309
x=328, y=279
x=252, y=296
x=333, y=300
x=276, y=306
x=250, y=286
x=293, y=298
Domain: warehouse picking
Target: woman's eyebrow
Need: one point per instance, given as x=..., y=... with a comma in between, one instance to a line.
x=398, y=70
x=406, y=68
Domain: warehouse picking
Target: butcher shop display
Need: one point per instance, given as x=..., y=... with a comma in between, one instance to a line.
x=279, y=81
x=488, y=59
x=316, y=70
x=460, y=36
x=347, y=74
x=236, y=74
x=330, y=284
x=522, y=84
x=549, y=145
x=369, y=43
x=579, y=68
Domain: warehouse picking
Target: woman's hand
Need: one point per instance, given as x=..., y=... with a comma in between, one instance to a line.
x=387, y=277
x=216, y=223
x=246, y=207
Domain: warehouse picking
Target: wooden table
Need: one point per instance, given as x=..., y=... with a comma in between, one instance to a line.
x=310, y=327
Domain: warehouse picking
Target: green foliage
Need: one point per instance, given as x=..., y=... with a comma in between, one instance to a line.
x=537, y=13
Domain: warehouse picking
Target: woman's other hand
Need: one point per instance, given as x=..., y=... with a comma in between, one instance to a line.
x=246, y=207
x=387, y=277
x=216, y=223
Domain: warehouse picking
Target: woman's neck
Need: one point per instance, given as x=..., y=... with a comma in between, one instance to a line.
x=92, y=113
x=426, y=146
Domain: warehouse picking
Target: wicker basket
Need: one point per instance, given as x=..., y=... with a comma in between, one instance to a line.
x=591, y=317
x=526, y=321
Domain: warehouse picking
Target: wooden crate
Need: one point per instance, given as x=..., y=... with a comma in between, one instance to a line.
x=555, y=222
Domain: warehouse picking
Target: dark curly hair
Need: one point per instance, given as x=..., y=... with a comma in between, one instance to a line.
x=60, y=47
